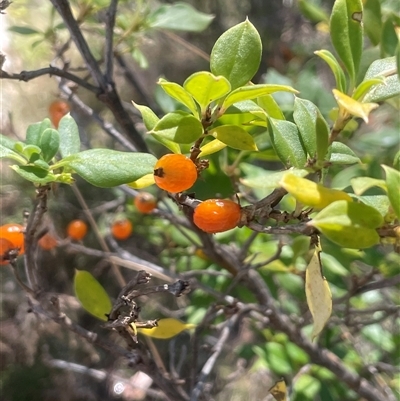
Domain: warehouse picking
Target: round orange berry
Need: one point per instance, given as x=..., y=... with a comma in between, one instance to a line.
x=77, y=229
x=145, y=202
x=57, y=110
x=217, y=215
x=175, y=173
x=47, y=242
x=5, y=247
x=15, y=234
x=121, y=229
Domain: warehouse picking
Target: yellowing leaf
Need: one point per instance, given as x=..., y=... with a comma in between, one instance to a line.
x=353, y=107
x=211, y=147
x=318, y=293
x=310, y=193
x=279, y=390
x=143, y=182
x=167, y=328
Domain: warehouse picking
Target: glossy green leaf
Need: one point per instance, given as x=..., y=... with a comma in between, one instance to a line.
x=342, y=154
x=354, y=107
x=337, y=70
x=393, y=188
x=362, y=184
x=91, y=295
x=180, y=94
x=389, y=40
x=312, y=11
x=234, y=136
x=373, y=20
x=269, y=105
x=236, y=54
x=347, y=33
x=180, y=17
x=286, y=142
x=366, y=86
x=386, y=68
x=167, y=328
x=70, y=142
x=206, y=87
x=108, y=168
x=179, y=126
x=211, y=147
x=253, y=91
x=35, y=174
x=34, y=132
x=150, y=119
x=49, y=143
x=318, y=293
x=349, y=224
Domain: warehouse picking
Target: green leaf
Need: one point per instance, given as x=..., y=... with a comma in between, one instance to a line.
x=6, y=150
x=35, y=174
x=236, y=54
x=322, y=133
x=211, y=147
x=29, y=150
x=389, y=40
x=347, y=33
x=34, y=132
x=312, y=12
x=167, y=328
x=179, y=126
x=393, y=188
x=7, y=142
x=362, y=184
x=253, y=91
x=234, y=136
x=24, y=30
x=373, y=20
x=378, y=202
x=397, y=56
x=150, y=119
x=337, y=70
x=366, y=86
x=91, y=295
x=49, y=143
x=108, y=168
x=318, y=293
x=171, y=145
x=180, y=17
x=180, y=94
x=269, y=105
x=342, y=154
x=70, y=142
x=286, y=142
x=206, y=87
x=349, y=224
x=391, y=87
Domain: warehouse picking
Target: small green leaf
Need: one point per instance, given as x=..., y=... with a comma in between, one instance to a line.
x=347, y=33
x=362, y=184
x=211, y=147
x=180, y=94
x=35, y=130
x=373, y=20
x=269, y=180
x=342, y=154
x=24, y=30
x=366, y=86
x=169, y=144
x=286, y=141
x=167, y=328
x=91, y=295
x=180, y=17
x=312, y=12
x=322, y=131
x=108, y=168
x=150, y=119
x=6, y=150
x=234, y=136
x=34, y=174
x=206, y=87
x=253, y=91
x=337, y=70
x=29, y=150
x=318, y=293
x=70, y=142
x=354, y=107
x=269, y=105
x=349, y=224
x=393, y=188
x=389, y=40
x=7, y=142
x=236, y=54
x=49, y=143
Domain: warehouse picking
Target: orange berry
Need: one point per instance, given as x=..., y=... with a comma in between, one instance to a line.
x=47, y=242
x=77, y=229
x=5, y=247
x=121, y=229
x=57, y=110
x=175, y=173
x=217, y=215
x=15, y=234
x=145, y=202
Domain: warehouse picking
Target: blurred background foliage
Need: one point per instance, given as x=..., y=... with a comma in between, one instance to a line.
x=364, y=329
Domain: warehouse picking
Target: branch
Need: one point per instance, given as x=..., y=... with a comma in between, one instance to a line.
x=109, y=51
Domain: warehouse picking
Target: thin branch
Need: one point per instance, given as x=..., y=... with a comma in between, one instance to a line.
x=109, y=50
x=29, y=75
x=378, y=285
